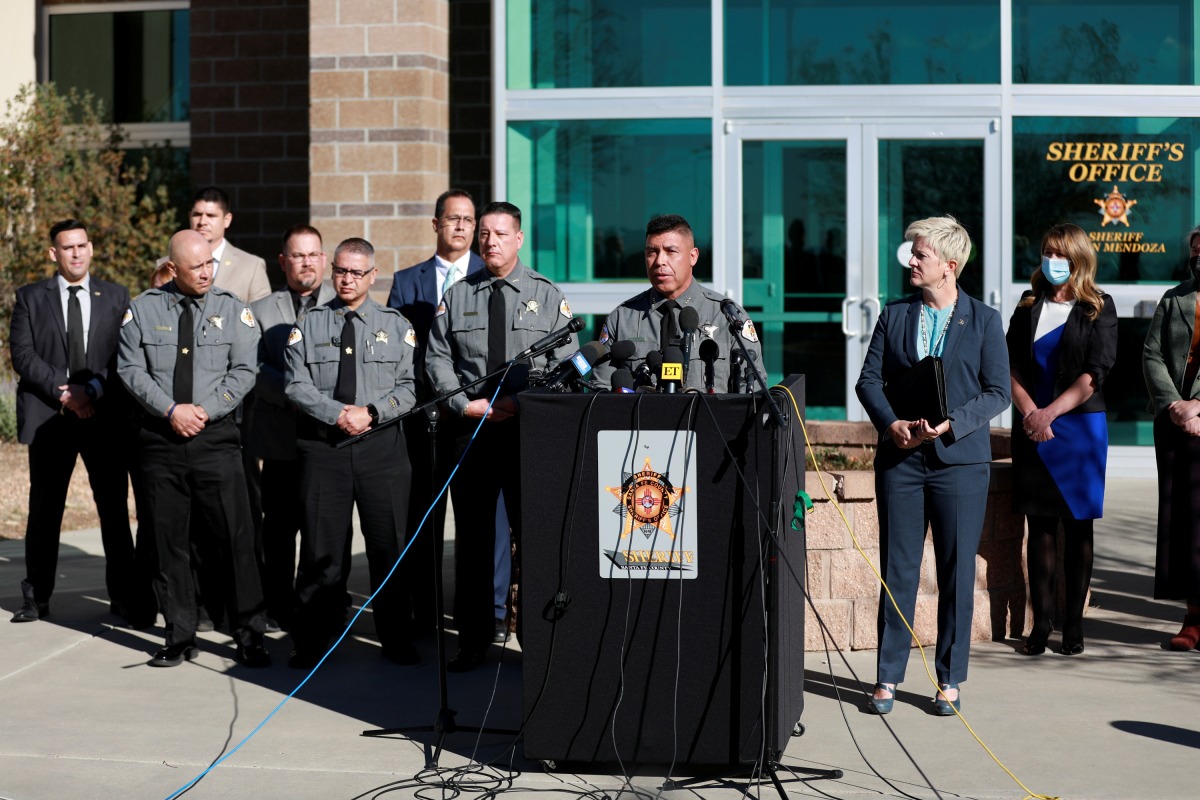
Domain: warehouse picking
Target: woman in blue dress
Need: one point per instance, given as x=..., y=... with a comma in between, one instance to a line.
x=1062, y=342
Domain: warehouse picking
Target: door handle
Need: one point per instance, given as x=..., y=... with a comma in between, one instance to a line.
x=873, y=301
x=849, y=301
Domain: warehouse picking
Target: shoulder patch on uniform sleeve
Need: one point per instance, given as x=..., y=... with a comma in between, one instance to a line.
x=604, y=337
x=441, y=309
x=128, y=316
x=294, y=336
x=410, y=337
x=247, y=317
x=748, y=331
x=564, y=308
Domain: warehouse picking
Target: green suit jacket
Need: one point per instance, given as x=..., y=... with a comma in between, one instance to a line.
x=1164, y=357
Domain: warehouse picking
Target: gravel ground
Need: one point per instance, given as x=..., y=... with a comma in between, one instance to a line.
x=80, y=512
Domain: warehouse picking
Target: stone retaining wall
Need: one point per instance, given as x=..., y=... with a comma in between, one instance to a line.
x=844, y=588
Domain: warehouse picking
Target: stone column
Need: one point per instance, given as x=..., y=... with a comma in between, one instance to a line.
x=379, y=124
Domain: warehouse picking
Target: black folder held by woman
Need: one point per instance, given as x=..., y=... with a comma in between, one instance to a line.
x=919, y=392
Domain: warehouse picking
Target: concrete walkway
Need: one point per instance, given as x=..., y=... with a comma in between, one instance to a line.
x=81, y=716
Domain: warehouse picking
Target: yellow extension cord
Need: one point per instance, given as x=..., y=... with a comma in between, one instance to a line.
x=928, y=672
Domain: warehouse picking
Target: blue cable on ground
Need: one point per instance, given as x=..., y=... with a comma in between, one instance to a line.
x=350, y=624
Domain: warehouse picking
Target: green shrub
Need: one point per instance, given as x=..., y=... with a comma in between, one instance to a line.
x=58, y=160
x=8, y=413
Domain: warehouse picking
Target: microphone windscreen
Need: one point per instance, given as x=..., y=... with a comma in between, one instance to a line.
x=593, y=351
x=689, y=319
x=709, y=350
x=575, y=325
x=673, y=355
x=623, y=350
x=654, y=360
x=622, y=380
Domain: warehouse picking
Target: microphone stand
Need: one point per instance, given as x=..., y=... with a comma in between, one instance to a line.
x=444, y=723
x=776, y=415
x=498, y=372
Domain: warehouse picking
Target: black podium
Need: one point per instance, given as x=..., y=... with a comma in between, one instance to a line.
x=659, y=624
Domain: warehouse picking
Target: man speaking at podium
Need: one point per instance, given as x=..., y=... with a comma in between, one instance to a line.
x=652, y=319
x=485, y=319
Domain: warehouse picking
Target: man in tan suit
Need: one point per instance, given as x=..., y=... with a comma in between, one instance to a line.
x=236, y=270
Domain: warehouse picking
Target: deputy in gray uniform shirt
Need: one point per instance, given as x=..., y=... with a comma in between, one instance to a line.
x=671, y=256
x=349, y=367
x=485, y=319
x=187, y=354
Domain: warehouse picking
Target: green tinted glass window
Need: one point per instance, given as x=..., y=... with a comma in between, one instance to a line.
x=1130, y=183
x=587, y=187
x=1105, y=41
x=922, y=178
x=856, y=42
x=136, y=62
x=579, y=44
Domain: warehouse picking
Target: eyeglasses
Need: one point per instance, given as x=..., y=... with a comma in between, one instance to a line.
x=300, y=258
x=354, y=274
x=456, y=219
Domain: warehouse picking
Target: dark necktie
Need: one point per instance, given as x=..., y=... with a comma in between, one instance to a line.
x=497, y=328
x=76, y=353
x=303, y=303
x=669, y=331
x=185, y=356
x=347, y=381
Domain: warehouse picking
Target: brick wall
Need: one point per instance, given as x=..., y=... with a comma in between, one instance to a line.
x=471, y=98
x=249, y=115
x=379, y=120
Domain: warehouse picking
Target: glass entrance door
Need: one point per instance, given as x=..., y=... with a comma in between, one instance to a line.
x=799, y=248
x=810, y=201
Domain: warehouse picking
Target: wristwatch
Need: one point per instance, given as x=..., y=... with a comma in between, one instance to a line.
x=90, y=391
x=373, y=412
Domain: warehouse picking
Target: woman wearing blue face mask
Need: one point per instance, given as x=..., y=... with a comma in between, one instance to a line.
x=1062, y=342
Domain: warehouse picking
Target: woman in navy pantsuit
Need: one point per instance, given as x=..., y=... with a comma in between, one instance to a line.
x=935, y=476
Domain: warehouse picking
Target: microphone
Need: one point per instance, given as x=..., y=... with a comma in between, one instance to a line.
x=689, y=321
x=552, y=339
x=709, y=350
x=735, y=372
x=622, y=381
x=622, y=351
x=671, y=373
x=731, y=312
x=574, y=367
x=646, y=372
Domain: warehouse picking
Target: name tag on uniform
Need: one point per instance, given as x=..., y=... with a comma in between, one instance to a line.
x=637, y=338
x=162, y=327
x=470, y=313
x=326, y=344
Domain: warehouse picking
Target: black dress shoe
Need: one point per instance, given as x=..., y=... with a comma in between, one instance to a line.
x=466, y=659
x=31, y=611
x=501, y=634
x=404, y=654
x=270, y=625
x=175, y=654
x=253, y=655
x=136, y=618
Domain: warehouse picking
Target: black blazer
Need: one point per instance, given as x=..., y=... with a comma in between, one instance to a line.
x=38, y=339
x=1086, y=346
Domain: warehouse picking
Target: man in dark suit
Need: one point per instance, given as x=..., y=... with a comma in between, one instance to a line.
x=416, y=293
x=64, y=348
x=272, y=425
